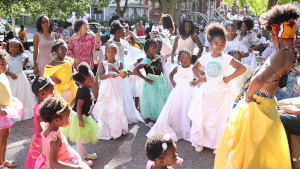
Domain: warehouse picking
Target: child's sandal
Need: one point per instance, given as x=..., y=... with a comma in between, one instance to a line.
x=92, y=156
x=89, y=163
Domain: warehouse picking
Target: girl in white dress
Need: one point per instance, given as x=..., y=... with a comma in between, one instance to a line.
x=173, y=119
x=108, y=110
x=18, y=81
x=210, y=108
x=232, y=41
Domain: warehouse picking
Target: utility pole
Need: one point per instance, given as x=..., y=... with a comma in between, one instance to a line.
x=208, y=12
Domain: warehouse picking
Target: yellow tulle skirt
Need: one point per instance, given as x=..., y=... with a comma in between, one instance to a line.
x=254, y=137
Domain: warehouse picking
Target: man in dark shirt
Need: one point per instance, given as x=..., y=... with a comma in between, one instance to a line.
x=148, y=30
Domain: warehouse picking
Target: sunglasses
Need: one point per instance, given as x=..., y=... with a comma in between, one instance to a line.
x=85, y=25
x=45, y=22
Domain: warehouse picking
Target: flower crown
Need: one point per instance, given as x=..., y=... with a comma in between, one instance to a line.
x=63, y=105
x=164, y=145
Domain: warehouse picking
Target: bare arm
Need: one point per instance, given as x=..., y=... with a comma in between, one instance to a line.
x=200, y=74
x=25, y=62
x=240, y=69
x=171, y=76
x=35, y=53
x=80, y=103
x=174, y=49
x=53, y=162
x=197, y=41
x=257, y=47
x=137, y=72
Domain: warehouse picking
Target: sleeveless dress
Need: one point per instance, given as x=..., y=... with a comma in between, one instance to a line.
x=168, y=66
x=154, y=96
x=209, y=110
x=65, y=153
x=11, y=105
x=187, y=44
x=35, y=142
x=43, y=57
x=66, y=88
x=109, y=111
x=21, y=88
x=173, y=119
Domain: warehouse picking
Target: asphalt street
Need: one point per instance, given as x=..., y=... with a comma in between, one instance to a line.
x=126, y=152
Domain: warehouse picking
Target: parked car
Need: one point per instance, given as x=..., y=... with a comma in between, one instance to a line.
x=94, y=27
x=2, y=29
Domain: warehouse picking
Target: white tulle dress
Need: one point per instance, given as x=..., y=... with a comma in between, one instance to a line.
x=173, y=119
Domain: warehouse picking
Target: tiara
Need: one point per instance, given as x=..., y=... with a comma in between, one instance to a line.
x=48, y=82
x=63, y=105
x=14, y=40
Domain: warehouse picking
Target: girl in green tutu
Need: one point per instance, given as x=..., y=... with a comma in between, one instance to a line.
x=154, y=93
x=83, y=128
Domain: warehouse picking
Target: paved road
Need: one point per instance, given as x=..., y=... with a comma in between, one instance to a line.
x=125, y=152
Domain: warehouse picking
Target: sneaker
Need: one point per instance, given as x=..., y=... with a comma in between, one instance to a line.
x=92, y=156
x=199, y=148
x=215, y=151
x=89, y=162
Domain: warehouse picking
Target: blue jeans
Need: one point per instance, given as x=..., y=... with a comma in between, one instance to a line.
x=291, y=125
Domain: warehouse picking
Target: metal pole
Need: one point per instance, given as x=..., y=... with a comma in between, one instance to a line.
x=208, y=12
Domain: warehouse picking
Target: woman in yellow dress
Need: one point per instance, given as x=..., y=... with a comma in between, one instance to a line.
x=254, y=136
x=60, y=70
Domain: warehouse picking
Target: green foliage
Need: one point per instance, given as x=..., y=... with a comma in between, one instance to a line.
x=8, y=27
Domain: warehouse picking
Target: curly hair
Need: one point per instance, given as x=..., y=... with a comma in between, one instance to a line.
x=84, y=70
x=248, y=22
x=78, y=24
x=115, y=26
x=40, y=82
x=39, y=22
x=230, y=24
x=21, y=48
x=168, y=22
x=154, y=147
x=56, y=44
x=113, y=18
x=148, y=43
x=181, y=27
x=4, y=55
x=281, y=13
x=215, y=30
x=49, y=107
x=233, y=51
x=182, y=51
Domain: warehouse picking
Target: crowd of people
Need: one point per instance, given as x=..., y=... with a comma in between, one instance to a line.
x=86, y=89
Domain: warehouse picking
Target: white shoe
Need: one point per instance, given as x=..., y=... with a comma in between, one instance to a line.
x=199, y=148
x=215, y=151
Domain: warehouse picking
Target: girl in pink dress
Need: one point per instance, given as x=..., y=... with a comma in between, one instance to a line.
x=11, y=110
x=161, y=152
x=42, y=88
x=56, y=151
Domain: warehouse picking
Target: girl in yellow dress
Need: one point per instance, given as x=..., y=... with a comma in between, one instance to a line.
x=60, y=71
x=254, y=136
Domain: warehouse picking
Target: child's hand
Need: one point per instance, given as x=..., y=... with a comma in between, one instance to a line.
x=149, y=81
x=203, y=79
x=112, y=69
x=13, y=76
x=81, y=123
x=3, y=113
x=174, y=84
x=195, y=83
x=114, y=75
x=226, y=79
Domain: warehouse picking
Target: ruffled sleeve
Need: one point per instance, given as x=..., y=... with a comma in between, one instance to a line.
x=71, y=49
x=145, y=61
x=71, y=60
x=54, y=135
x=50, y=70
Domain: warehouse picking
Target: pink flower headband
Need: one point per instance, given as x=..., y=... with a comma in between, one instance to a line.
x=164, y=145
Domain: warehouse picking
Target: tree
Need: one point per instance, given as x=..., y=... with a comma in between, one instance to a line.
x=119, y=11
x=257, y=6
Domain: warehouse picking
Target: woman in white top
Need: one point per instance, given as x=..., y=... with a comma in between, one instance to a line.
x=250, y=40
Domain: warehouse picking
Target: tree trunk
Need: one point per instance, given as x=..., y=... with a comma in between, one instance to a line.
x=178, y=12
x=118, y=9
x=172, y=8
x=272, y=3
x=13, y=23
x=200, y=7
